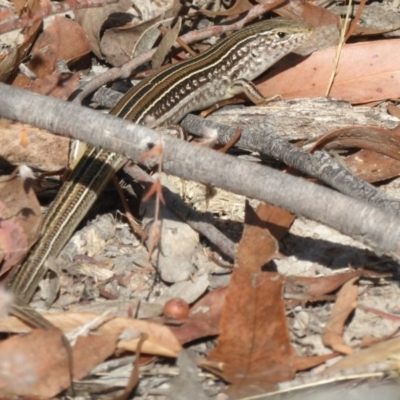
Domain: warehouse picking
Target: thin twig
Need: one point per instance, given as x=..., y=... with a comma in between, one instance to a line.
x=132, y=222
x=194, y=219
x=339, y=48
x=353, y=25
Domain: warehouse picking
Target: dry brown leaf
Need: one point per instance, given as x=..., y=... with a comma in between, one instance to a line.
x=21, y=219
x=90, y=351
x=161, y=340
x=315, y=15
x=393, y=110
x=376, y=78
x=254, y=345
x=112, y=35
x=44, y=150
x=57, y=85
x=45, y=358
x=346, y=302
x=204, y=318
x=119, y=43
x=9, y=60
x=165, y=45
x=372, y=138
x=370, y=166
x=92, y=20
x=313, y=287
x=277, y=220
x=63, y=39
x=373, y=167
x=34, y=365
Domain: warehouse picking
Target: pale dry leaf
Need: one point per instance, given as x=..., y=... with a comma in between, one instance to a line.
x=376, y=78
x=346, y=302
x=33, y=365
x=118, y=44
x=92, y=20
x=165, y=46
x=161, y=340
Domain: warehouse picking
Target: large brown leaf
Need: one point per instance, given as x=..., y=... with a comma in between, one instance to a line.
x=254, y=346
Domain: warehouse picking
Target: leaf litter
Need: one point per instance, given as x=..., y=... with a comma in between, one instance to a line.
x=269, y=325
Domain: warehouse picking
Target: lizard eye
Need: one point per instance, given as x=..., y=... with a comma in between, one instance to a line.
x=281, y=35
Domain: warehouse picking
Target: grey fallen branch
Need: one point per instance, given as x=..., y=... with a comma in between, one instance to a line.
x=264, y=133
x=352, y=217
x=264, y=138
